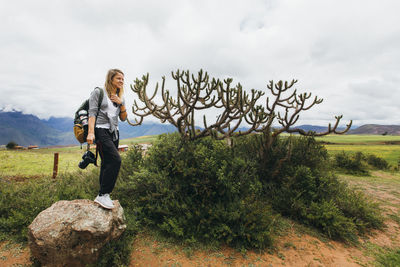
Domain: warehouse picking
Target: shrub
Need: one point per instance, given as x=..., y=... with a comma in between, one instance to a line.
x=200, y=191
x=207, y=191
x=377, y=162
x=331, y=220
x=298, y=183
x=358, y=163
x=351, y=163
x=356, y=205
x=389, y=259
x=11, y=145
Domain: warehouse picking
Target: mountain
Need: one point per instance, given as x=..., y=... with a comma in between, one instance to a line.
x=146, y=128
x=62, y=124
x=30, y=130
x=364, y=129
x=27, y=130
x=317, y=129
x=377, y=129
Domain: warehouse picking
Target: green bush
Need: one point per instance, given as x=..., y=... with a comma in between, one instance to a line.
x=298, y=183
x=11, y=145
x=356, y=205
x=326, y=216
x=377, y=162
x=351, y=163
x=200, y=191
x=389, y=259
x=358, y=163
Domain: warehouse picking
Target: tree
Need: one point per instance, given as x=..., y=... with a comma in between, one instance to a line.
x=11, y=145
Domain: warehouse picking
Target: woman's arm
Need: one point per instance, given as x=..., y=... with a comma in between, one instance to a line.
x=122, y=109
x=93, y=112
x=122, y=114
x=90, y=136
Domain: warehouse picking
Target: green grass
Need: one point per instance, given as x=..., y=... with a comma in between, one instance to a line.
x=39, y=162
x=391, y=153
x=386, y=147
x=141, y=139
x=391, y=258
x=376, y=179
x=359, y=139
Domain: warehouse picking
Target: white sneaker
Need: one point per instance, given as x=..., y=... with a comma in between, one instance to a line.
x=104, y=201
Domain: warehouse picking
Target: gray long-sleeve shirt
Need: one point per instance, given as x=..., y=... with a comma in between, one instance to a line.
x=102, y=118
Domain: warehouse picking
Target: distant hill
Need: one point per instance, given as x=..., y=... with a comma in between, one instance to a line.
x=146, y=128
x=62, y=124
x=377, y=129
x=26, y=129
x=364, y=129
x=317, y=129
x=126, y=130
x=30, y=130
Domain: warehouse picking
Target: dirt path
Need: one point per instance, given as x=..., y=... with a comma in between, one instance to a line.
x=14, y=255
x=292, y=250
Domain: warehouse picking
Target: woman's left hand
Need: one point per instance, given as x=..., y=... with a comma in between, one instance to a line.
x=116, y=99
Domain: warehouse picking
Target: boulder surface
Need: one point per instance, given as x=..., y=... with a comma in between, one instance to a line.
x=71, y=233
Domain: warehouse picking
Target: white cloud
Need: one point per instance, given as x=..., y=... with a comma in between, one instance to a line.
x=53, y=53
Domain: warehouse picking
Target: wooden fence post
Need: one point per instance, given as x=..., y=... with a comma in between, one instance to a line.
x=55, y=168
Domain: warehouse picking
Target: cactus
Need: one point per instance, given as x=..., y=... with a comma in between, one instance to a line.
x=291, y=105
x=196, y=93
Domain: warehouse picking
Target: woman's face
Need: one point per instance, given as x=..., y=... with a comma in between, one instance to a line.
x=118, y=81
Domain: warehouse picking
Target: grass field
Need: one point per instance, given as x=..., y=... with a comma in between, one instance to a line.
x=28, y=163
x=360, y=139
x=386, y=147
x=139, y=140
x=40, y=162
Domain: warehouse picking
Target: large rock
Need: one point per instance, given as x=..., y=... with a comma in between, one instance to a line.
x=71, y=233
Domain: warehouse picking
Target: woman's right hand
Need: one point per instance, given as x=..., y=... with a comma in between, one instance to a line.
x=90, y=138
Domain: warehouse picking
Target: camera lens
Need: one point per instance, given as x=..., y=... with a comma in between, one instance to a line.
x=87, y=158
x=83, y=164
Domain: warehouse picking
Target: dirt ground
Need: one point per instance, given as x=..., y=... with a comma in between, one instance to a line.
x=296, y=248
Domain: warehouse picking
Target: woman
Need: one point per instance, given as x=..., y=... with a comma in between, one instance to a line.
x=104, y=130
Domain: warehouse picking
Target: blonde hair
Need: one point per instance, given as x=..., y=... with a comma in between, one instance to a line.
x=108, y=86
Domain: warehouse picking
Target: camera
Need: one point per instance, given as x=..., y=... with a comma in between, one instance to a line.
x=87, y=158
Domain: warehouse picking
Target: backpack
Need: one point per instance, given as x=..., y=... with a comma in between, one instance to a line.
x=81, y=120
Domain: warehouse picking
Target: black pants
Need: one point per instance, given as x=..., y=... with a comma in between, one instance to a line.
x=110, y=159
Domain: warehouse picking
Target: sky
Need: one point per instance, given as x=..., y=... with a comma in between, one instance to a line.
x=53, y=53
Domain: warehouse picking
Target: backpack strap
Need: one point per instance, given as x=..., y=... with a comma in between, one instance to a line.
x=101, y=96
x=100, y=100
